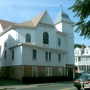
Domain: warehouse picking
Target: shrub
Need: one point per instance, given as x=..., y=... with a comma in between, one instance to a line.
x=32, y=80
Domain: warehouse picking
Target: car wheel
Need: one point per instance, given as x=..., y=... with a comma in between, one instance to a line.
x=78, y=88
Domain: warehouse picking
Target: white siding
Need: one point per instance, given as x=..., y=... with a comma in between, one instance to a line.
x=27, y=59
x=22, y=34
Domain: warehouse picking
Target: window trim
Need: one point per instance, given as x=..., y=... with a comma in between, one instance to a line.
x=59, y=57
x=59, y=70
x=12, y=72
x=28, y=37
x=34, y=54
x=48, y=72
x=48, y=56
x=45, y=38
x=13, y=54
x=36, y=71
x=59, y=41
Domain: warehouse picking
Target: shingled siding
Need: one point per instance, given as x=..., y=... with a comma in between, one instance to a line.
x=40, y=70
x=26, y=71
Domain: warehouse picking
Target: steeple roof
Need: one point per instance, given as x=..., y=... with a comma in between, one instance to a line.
x=62, y=16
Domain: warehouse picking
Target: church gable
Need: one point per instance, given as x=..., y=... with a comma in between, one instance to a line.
x=46, y=19
x=1, y=29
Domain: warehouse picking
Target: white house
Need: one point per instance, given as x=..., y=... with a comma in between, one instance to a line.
x=38, y=47
x=82, y=59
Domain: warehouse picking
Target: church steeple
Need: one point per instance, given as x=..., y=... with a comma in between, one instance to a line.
x=62, y=16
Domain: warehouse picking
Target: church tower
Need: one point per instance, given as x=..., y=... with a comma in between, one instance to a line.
x=64, y=24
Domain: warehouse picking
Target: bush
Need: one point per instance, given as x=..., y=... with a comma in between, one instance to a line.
x=32, y=80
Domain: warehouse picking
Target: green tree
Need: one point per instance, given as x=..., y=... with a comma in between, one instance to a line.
x=78, y=45
x=81, y=8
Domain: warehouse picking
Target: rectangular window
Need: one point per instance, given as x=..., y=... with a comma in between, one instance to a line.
x=5, y=54
x=59, y=71
x=48, y=56
x=12, y=71
x=59, y=42
x=48, y=71
x=79, y=59
x=34, y=72
x=59, y=57
x=34, y=54
x=12, y=54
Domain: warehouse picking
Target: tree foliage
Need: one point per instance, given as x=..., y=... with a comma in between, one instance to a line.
x=81, y=8
x=78, y=45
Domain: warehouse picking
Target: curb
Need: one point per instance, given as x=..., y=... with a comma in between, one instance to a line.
x=28, y=86
x=6, y=88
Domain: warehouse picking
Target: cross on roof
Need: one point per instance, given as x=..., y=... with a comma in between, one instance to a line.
x=61, y=6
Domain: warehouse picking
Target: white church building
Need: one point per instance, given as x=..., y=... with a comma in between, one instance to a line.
x=38, y=47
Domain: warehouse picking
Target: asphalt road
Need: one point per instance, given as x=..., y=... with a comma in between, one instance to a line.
x=68, y=86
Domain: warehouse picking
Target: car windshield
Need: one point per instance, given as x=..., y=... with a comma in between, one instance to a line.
x=84, y=77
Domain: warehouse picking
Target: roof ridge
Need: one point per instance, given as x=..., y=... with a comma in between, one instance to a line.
x=38, y=18
x=6, y=24
x=33, y=22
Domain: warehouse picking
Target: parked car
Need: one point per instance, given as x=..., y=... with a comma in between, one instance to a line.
x=83, y=82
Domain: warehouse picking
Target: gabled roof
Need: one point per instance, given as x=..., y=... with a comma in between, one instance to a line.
x=6, y=24
x=77, y=48
x=33, y=22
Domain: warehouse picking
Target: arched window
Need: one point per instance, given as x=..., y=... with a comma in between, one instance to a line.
x=59, y=42
x=45, y=38
x=28, y=38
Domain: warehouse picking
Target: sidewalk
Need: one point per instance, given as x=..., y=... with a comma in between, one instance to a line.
x=14, y=84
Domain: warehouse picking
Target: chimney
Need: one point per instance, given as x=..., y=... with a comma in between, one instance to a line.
x=82, y=48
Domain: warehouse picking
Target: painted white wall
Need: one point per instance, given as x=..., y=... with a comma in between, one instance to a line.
x=22, y=34
x=1, y=29
x=39, y=36
x=70, y=50
x=14, y=37
x=67, y=28
x=10, y=38
x=17, y=57
x=46, y=19
x=28, y=60
x=59, y=27
x=63, y=40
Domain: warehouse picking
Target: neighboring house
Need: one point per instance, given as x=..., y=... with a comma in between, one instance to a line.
x=82, y=59
x=38, y=47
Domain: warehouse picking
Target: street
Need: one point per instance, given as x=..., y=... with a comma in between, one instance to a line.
x=57, y=86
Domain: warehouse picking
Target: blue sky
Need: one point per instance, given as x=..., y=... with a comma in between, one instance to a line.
x=23, y=10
